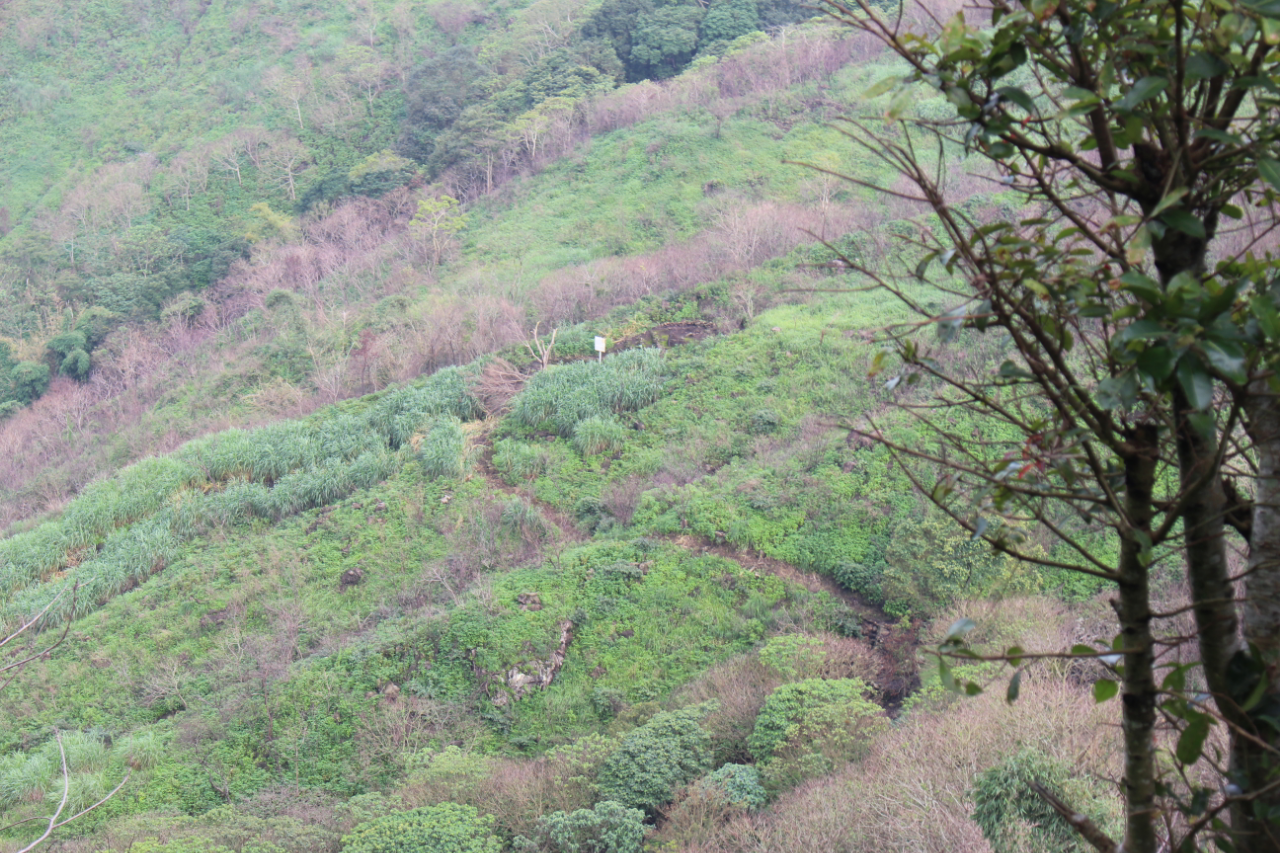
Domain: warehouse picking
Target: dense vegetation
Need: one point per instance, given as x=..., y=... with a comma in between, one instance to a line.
x=355, y=553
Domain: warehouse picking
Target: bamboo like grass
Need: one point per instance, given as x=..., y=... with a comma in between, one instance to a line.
x=142, y=518
x=566, y=395
x=599, y=435
x=443, y=452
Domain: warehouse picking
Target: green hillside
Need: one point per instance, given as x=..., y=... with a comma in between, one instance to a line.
x=342, y=533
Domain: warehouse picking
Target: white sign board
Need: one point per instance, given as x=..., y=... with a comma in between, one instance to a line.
x=599, y=344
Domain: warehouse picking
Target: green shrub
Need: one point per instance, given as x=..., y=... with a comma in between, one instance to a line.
x=655, y=759
x=9, y=408
x=95, y=323
x=599, y=435
x=76, y=364
x=763, y=422
x=794, y=656
x=189, y=844
x=821, y=741
x=28, y=381
x=62, y=345
x=445, y=828
x=1013, y=818
x=790, y=704
x=610, y=827
x=862, y=578
x=736, y=785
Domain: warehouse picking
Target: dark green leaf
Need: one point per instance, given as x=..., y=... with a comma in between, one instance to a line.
x=1104, y=689
x=1195, y=381
x=1141, y=286
x=1157, y=362
x=1143, y=90
x=1015, y=683
x=923, y=266
x=1228, y=358
x=1270, y=169
x=1202, y=66
x=1169, y=201
x=1219, y=136
x=1176, y=680
x=1265, y=8
x=1187, y=223
x=1264, y=309
x=1019, y=97
x=1015, y=653
x=1142, y=330
x=1081, y=649
x=960, y=627
x=1191, y=742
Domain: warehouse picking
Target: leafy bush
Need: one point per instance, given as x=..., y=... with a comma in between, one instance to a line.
x=791, y=704
x=76, y=364
x=763, y=422
x=656, y=758
x=599, y=435
x=446, y=828
x=1013, y=818
x=794, y=656
x=95, y=323
x=862, y=578
x=610, y=827
x=28, y=381
x=736, y=785
x=68, y=342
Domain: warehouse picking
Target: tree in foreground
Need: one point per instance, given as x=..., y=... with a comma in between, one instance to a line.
x=1135, y=419
x=14, y=658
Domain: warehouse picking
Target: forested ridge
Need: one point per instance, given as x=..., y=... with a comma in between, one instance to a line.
x=341, y=533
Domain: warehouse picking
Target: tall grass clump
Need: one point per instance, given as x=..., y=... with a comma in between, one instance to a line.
x=518, y=460
x=599, y=435
x=143, y=516
x=138, y=490
x=130, y=555
x=568, y=394
x=401, y=414
x=443, y=450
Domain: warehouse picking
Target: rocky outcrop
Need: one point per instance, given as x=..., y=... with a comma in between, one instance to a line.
x=522, y=679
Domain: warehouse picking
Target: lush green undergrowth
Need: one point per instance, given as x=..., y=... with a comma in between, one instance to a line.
x=327, y=604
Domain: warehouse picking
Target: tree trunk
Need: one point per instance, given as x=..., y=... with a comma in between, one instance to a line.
x=1262, y=620
x=1133, y=607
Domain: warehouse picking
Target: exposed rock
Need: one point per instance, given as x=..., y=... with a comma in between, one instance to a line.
x=523, y=678
x=351, y=576
x=529, y=601
x=391, y=692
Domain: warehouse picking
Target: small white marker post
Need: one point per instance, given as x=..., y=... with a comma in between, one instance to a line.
x=600, y=343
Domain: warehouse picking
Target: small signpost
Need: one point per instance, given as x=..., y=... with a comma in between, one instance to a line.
x=600, y=344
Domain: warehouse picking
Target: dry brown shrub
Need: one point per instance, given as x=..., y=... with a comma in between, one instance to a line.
x=910, y=792
x=740, y=684
x=693, y=818
x=497, y=384
x=517, y=792
x=622, y=498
